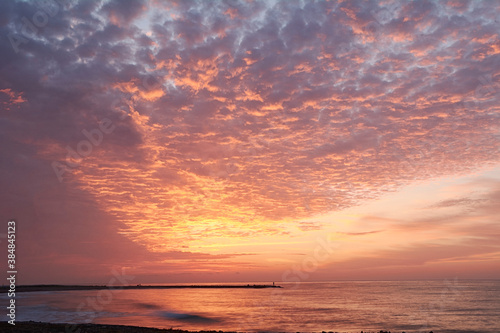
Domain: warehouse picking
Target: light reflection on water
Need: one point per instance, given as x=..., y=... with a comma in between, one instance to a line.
x=411, y=306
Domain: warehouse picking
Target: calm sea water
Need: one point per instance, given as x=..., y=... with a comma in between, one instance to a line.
x=410, y=306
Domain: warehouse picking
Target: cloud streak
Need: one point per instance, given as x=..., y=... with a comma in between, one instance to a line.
x=233, y=120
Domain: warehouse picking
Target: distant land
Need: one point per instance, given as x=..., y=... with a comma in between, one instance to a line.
x=60, y=287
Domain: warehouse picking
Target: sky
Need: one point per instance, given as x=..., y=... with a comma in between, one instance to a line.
x=231, y=141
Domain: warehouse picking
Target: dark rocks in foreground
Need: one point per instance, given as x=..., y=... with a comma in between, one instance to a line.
x=38, y=327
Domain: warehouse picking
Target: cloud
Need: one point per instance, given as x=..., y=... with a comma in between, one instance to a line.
x=361, y=233
x=422, y=239
x=455, y=202
x=231, y=118
x=307, y=226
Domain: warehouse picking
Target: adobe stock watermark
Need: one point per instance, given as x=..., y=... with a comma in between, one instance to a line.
x=87, y=310
x=30, y=26
x=487, y=87
x=125, y=104
x=487, y=91
x=427, y=315
x=94, y=137
x=298, y=273
x=383, y=16
x=250, y=151
x=84, y=148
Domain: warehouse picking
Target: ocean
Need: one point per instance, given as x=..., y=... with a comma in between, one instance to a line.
x=349, y=306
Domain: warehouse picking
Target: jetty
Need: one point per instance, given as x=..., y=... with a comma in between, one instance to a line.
x=58, y=287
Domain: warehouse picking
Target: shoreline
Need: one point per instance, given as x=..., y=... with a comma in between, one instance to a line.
x=43, y=327
x=57, y=287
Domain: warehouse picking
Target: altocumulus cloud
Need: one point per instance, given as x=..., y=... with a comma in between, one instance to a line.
x=232, y=118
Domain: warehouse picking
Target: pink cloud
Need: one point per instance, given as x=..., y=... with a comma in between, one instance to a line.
x=231, y=118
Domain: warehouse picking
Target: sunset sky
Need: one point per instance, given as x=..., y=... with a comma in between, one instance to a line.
x=206, y=141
